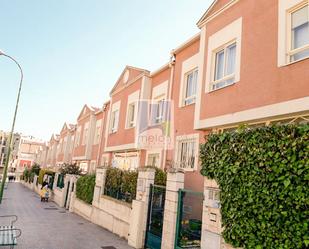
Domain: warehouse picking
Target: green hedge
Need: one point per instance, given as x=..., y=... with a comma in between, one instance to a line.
x=121, y=184
x=263, y=174
x=85, y=188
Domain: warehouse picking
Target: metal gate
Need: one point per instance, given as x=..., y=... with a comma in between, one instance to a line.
x=189, y=219
x=155, y=217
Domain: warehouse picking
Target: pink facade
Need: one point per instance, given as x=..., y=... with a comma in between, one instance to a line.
x=239, y=69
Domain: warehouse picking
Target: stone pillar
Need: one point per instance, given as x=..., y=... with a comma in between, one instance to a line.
x=138, y=220
x=35, y=186
x=71, y=192
x=72, y=196
x=55, y=180
x=175, y=181
x=99, y=186
x=211, y=227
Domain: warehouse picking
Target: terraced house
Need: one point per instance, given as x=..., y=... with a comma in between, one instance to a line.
x=236, y=70
x=248, y=64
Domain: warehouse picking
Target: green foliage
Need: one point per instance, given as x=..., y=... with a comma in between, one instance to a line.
x=44, y=172
x=121, y=184
x=263, y=174
x=72, y=169
x=85, y=188
x=26, y=175
x=35, y=169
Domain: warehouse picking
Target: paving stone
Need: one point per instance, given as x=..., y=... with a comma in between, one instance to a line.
x=44, y=227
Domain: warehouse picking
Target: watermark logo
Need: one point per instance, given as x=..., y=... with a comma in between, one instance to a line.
x=154, y=127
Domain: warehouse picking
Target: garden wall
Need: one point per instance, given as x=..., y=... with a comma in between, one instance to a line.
x=111, y=214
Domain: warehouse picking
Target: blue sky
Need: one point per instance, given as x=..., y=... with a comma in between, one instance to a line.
x=73, y=51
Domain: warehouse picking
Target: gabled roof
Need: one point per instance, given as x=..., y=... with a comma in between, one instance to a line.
x=72, y=126
x=67, y=126
x=214, y=7
x=54, y=137
x=136, y=69
x=87, y=108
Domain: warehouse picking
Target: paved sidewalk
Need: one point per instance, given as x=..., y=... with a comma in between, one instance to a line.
x=46, y=226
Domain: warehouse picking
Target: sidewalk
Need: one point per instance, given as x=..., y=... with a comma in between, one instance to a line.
x=46, y=226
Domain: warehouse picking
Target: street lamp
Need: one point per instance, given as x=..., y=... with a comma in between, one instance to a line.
x=13, y=125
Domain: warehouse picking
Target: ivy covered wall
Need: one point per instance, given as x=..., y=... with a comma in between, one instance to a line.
x=263, y=174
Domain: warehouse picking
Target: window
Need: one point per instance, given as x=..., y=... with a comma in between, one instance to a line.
x=299, y=33
x=190, y=87
x=224, y=56
x=153, y=160
x=64, y=144
x=114, y=121
x=157, y=112
x=97, y=132
x=224, y=66
x=77, y=141
x=131, y=115
x=85, y=134
x=187, y=153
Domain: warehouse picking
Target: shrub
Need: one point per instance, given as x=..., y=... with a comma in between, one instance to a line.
x=26, y=175
x=44, y=172
x=85, y=188
x=263, y=174
x=73, y=169
x=121, y=184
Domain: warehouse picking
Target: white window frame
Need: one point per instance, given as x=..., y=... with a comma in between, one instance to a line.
x=97, y=134
x=285, y=8
x=132, y=100
x=179, y=141
x=188, y=65
x=232, y=33
x=192, y=97
x=78, y=133
x=291, y=52
x=156, y=103
x=215, y=63
x=131, y=123
x=151, y=153
x=114, y=121
x=115, y=109
x=85, y=133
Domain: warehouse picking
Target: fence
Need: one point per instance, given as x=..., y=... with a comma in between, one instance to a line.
x=120, y=184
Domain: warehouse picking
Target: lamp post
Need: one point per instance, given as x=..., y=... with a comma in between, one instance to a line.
x=12, y=128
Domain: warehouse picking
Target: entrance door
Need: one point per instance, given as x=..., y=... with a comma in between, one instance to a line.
x=155, y=217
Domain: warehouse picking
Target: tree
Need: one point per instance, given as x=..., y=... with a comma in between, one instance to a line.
x=35, y=169
x=72, y=169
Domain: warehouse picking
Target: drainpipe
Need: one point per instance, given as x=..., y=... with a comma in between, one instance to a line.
x=171, y=81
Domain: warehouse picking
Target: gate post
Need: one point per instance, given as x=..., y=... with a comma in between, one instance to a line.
x=74, y=179
x=99, y=186
x=211, y=226
x=138, y=220
x=55, y=180
x=175, y=181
